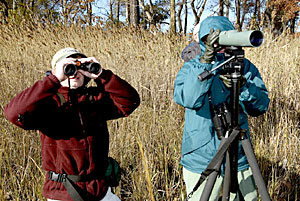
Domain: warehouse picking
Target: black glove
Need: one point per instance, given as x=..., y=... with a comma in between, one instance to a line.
x=210, y=48
x=228, y=83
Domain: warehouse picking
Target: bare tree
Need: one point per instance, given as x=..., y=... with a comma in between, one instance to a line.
x=128, y=12
x=182, y=26
x=243, y=8
x=89, y=10
x=280, y=15
x=185, y=16
x=172, y=17
x=221, y=7
x=238, y=14
x=257, y=11
x=147, y=13
x=227, y=8
x=111, y=14
x=118, y=13
x=198, y=12
x=134, y=13
x=180, y=4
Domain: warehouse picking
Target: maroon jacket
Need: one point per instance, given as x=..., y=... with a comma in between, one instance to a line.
x=74, y=135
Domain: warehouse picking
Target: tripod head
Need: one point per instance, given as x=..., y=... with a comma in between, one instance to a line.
x=236, y=65
x=233, y=57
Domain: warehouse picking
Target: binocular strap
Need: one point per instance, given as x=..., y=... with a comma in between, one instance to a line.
x=67, y=181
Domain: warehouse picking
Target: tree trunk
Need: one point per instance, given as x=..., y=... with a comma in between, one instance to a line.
x=172, y=17
x=245, y=10
x=145, y=14
x=134, y=13
x=257, y=11
x=179, y=17
x=221, y=7
x=32, y=6
x=197, y=18
x=185, y=17
x=111, y=16
x=227, y=8
x=293, y=24
x=202, y=8
x=118, y=13
x=90, y=13
x=238, y=15
x=267, y=21
x=128, y=21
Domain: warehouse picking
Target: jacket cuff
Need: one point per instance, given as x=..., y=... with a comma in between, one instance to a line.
x=54, y=80
x=104, y=76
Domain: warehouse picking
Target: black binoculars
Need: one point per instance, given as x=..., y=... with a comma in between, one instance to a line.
x=92, y=67
x=221, y=118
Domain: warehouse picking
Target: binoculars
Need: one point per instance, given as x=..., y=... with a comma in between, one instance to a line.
x=92, y=67
x=221, y=117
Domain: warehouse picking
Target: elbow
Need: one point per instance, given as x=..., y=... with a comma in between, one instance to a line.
x=258, y=110
x=132, y=106
x=9, y=115
x=189, y=103
x=19, y=120
x=16, y=120
x=256, y=113
x=136, y=103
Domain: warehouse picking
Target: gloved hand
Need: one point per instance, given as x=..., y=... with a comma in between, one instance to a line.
x=211, y=48
x=227, y=80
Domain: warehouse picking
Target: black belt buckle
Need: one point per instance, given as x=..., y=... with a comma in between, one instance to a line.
x=57, y=177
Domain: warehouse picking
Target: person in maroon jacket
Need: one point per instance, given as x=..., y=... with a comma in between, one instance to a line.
x=71, y=118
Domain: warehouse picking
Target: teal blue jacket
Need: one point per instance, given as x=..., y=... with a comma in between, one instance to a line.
x=200, y=142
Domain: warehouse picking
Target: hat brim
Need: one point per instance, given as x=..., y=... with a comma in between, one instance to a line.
x=79, y=54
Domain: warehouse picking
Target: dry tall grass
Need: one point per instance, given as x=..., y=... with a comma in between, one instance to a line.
x=147, y=143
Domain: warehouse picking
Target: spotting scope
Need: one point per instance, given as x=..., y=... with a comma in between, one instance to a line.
x=252, y=38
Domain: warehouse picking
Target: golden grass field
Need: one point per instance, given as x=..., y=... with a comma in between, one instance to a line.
x=147, y=143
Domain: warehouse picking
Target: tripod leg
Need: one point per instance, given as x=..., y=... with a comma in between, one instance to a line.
x=205, y=195
x=227, y=179
x=260, y=183
x=209, y=186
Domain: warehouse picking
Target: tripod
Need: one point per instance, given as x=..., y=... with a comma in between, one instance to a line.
x=230, y=134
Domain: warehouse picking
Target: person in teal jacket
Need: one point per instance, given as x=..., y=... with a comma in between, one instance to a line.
x=200, y=141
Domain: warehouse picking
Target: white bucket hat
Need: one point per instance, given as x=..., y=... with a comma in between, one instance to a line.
x=64, y=53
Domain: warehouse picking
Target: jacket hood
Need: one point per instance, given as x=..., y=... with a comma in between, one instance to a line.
x=215, y=22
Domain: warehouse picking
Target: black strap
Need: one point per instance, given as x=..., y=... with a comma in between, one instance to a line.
x=212, y=166
x=67, y=181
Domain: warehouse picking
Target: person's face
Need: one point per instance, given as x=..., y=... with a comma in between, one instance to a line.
x=76, y=81
x=196, y=37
